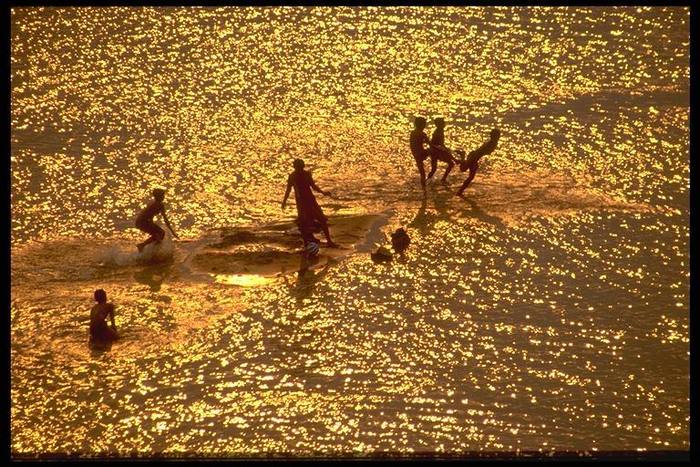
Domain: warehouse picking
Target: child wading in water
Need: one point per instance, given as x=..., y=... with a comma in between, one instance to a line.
x=100, y=333
x=472, y=161
x=144, y=221
x=309, y=213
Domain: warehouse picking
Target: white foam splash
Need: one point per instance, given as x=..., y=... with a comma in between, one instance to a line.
x=152, y=253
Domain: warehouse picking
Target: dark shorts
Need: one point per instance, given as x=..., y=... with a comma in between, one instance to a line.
x=151, y=228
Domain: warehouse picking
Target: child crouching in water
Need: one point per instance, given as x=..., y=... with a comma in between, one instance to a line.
x=100, y=333
x=144, y=221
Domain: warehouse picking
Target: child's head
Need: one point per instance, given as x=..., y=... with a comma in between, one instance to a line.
x=298, y=164
x=100, y=296
x=440, y=122
x=419, y=123
x=158, y=193
x=495, y=134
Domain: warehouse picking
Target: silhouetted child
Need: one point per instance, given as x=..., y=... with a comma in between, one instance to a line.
x=400, y=240
x=100, y=333
x=438, y=151
x=472, y=160
x=420, y=153
x=309, y=213
x=144, y=221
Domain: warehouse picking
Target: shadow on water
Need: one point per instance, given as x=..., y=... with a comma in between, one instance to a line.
x=307, y=278
x=477, y=213
x=448, y=206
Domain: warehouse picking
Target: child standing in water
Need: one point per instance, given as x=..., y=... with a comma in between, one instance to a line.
x=472, y=161
x=418, y=139
x=99, y=331
x=144, y=221
x=438, y=151
x=309, y=213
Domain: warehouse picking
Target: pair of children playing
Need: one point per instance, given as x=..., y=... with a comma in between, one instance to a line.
x=310, y=217
x=437, y=151
x=100, y=333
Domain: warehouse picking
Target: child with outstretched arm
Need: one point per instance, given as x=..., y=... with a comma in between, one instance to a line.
x=144, y=221
x=309, y=213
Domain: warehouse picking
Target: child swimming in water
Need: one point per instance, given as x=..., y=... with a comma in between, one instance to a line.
x=100, y=333
x=144, y=221
x=472, y=161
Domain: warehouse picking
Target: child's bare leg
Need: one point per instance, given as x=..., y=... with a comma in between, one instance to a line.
x=450, y=164
x=156, y=234
x=462, y=188
x=327, y=233
x=433, y=166
x=421, y=169
x=472, y=173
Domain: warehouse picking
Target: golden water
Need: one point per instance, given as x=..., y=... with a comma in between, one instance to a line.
x=548, y=310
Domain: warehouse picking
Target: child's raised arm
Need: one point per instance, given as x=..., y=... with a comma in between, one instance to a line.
x=167, y=222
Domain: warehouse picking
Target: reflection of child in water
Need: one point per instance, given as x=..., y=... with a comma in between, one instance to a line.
x=307, y=278
x=99, y=331
x=472, y=160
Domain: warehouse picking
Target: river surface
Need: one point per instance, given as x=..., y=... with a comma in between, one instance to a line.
x=545, y=310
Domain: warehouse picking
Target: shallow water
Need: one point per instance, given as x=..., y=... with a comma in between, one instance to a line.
x=546, y=310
